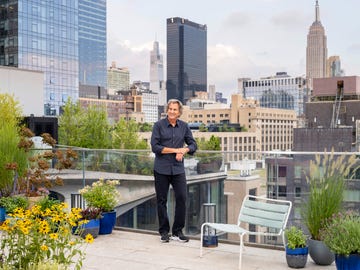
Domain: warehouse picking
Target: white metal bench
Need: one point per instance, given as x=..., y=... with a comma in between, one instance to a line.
x=269, y=215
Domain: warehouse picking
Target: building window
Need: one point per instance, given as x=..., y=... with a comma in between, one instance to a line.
x=34, y=27
x=282, y=171
x=34, y=44
x=297, y=192
x=282, y=191
x=11, y=60
x=52, y=96
x=297, y=171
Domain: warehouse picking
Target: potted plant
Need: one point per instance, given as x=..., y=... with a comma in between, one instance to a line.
x=326, y=187
x=90, y=222
x=11, y=203
x=341, y=234
x=103, y=194
x=296, y=247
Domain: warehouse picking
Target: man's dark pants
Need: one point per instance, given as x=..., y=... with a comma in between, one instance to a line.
x=162, y=184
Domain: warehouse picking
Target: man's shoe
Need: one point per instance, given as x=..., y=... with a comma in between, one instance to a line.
x=179, y=236
x=164, y=238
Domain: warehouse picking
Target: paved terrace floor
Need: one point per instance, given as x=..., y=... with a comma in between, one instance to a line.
x=138, y=251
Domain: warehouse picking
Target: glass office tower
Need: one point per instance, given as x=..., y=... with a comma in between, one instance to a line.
x=186, y=58
x=92, y=43
x=43, y=35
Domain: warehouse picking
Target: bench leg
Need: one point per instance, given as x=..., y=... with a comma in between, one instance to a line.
x=241, y=250
x=201, y=239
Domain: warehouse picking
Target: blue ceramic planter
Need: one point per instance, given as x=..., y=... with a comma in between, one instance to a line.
x=350, y=262
x=107, y=222
x=297, y=251
x=2, y=214
x=296, y=258
x=92, y=227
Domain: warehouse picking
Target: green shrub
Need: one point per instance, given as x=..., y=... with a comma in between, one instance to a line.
x=13, y=202
x=341, y=233
x=295, y=238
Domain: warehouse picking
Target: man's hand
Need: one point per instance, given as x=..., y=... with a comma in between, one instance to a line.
x=179, y=156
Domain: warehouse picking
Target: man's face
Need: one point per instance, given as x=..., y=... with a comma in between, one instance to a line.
x=173, y=111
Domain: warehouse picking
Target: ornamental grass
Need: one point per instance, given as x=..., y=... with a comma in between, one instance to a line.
x=34, y=237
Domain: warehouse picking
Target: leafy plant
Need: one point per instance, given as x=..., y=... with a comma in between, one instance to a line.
x=12, y=203
x=295, y=238
x=33, y=237
x=102, y=194
x=341, y=233
x=13, y=161
x=47, y=203
x=36, y=179
x=326, y=187
x=91, y=213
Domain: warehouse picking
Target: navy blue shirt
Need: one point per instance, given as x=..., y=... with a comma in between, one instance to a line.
x=166, y=135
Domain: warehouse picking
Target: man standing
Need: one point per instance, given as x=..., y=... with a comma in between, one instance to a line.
x=171, y=139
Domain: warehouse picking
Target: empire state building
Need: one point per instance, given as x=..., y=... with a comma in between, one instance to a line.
x=316, y=50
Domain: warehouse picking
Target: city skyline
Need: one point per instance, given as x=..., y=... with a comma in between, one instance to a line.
x=245, y=39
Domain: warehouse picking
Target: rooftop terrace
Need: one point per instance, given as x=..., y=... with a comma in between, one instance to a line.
x=138, y=251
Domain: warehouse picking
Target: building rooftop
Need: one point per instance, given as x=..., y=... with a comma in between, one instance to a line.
x=138, y=251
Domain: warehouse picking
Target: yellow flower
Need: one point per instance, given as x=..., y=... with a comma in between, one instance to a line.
x=44, y=247
x=56, y=218
x=54, y=236
x=44, y=227
x=89, y=238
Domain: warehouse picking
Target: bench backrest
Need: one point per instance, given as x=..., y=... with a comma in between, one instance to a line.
x=264, y=212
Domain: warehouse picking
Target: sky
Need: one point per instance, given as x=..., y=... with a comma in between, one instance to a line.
x=245, y=38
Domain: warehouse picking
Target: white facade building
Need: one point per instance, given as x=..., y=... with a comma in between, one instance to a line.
x=156, y=68
x=27, y=86
x=118, y=79
x=212, y=91
x=150, y=104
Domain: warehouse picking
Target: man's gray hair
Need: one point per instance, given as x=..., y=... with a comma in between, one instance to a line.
x=172, y=101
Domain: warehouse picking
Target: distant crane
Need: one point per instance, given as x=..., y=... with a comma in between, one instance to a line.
x=337, y=104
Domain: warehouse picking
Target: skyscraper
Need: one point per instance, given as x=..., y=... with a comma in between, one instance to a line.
x=333, y=67
x=43, y=36
x=156, y=68
x=316, y=50
x=92, y=43
x=186, y=58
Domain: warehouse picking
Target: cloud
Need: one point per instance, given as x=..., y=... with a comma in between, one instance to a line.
x=290, y=19
x=135, y=57
x=354, y=48
x=237, y=19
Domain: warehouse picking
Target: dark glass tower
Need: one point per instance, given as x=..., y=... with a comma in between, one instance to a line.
x=92, y=43
x=43, y=36
x=186, y=58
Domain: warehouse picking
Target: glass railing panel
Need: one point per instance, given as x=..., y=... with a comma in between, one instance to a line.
x=216, y=180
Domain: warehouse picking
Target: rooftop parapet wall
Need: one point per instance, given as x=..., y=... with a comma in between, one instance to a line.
x=329, y=86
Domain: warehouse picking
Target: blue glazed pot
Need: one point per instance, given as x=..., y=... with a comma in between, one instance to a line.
x=2, y=214
x=296, y=258
x=350, y=262
x=297, y=251
x=92, y=227
x=107, y=222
